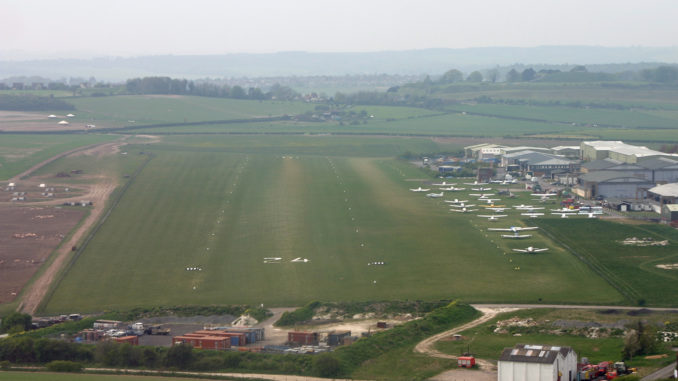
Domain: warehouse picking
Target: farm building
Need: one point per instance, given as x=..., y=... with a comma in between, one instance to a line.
x=670, y=214
x=537, y=363
x=612, y=184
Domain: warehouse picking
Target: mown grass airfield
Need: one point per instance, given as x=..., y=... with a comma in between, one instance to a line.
x=219, y=206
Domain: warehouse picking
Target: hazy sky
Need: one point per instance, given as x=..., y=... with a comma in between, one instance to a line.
x=66, y=28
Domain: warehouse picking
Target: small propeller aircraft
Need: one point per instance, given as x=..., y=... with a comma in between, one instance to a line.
x=530, y=249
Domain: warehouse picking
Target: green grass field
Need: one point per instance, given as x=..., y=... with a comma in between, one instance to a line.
x=49, y=376
x=631, y=269
x=20, y=152
x=484, y=343
x=198, y=205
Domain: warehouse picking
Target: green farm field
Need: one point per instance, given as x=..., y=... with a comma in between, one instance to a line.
x=199, y=205
x=20, y=152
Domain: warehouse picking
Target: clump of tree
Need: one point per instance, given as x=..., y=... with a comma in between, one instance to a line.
x=171, y=86
x=641, y=339
x=662, y=74
x=30, y=102
x=16, y=322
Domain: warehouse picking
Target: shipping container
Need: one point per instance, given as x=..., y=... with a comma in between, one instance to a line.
x=303, y=338
x=203, y=342
x=337, y=337
x=134, y=340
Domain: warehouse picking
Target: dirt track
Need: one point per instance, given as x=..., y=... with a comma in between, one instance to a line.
x=98, y=193
x=487, y=369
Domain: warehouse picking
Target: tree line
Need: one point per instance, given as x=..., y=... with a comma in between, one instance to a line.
x=30, y=102
x=173, y=86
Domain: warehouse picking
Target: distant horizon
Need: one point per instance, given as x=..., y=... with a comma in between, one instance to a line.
x=92, y=55
x=131, y=28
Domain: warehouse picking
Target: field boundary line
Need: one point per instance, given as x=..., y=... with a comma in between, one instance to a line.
x=116, y=198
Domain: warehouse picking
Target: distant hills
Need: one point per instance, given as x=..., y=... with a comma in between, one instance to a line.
x=408, y=62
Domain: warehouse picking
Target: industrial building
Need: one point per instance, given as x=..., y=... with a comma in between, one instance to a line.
x=537, y=363
x=664, y=194
x=538, y=162
x=618, y=150
x=612, y=184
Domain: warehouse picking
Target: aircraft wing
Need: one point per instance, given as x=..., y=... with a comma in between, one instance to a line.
x=520, y=250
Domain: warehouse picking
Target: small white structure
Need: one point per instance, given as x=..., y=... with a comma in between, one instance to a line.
x=51, y=116
x=70, y=115
x=41, y=185
x=63, y=123
x=537, y=363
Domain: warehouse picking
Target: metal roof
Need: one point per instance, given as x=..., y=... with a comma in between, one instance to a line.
x=657, y=163
x=671, y=207
x=622, y=148
x=601, y=164
x=559, y=148
x=666, y=190
x=604, y=176
x=542, y=354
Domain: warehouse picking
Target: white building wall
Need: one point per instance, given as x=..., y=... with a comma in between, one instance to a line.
x=521, y=371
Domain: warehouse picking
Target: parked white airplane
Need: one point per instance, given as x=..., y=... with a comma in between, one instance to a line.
x=528, y=207
x=462, y=205
x=481, y=194
x=516, y=236
x=443, y=184
x=565, y=210
x=514, y=229
x=490, y=200
x=532, y=215
x=481, y=189
x=492, y=217
x=420, y=189
x=300, y=259
x=523, y=206
x=498, y=210
x=456, y=201
x=434, y=195
x=591, y=215
x=451, y=189
x=563, y=215
x=530, y=249
x=543, y=195
x=475, y=183
x=463, y=210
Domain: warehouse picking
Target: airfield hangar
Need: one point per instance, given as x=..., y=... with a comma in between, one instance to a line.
x=618, y=150
x=537, y=363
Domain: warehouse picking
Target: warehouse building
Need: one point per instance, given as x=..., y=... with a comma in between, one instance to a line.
x=618, y=150
x=612, y=184
x=537, y=363
x=570, y=152
x=539, y=163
